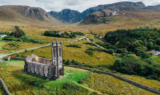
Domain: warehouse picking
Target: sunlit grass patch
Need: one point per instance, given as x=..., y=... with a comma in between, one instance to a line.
x=78, y=54
x=5, y=48
x=156, y=59
x=19, y=82
x=110, y=85
x=148, y=82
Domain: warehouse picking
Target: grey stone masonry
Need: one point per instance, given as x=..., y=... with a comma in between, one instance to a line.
x=45, y=67
x=4, y=86
x=121, y=78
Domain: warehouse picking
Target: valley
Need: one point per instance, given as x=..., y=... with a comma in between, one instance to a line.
x=114, y=38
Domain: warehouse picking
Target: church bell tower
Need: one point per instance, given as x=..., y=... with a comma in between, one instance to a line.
x=57, y=59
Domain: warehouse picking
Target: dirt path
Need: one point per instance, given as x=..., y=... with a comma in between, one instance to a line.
x=3, y=55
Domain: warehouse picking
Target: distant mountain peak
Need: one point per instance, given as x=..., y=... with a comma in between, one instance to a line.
x=13, y=12
x=72, y=16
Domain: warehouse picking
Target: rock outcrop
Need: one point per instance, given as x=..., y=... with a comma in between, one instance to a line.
x=73, y=16
x=25, y=12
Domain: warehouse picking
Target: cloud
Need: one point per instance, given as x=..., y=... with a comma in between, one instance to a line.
x=80, y=5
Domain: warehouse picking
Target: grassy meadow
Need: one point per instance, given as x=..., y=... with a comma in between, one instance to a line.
x=19, y=83
x=110, y=85
x=156, y=59
x=99, y=58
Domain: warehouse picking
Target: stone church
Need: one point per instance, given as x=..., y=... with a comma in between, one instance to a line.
x=45, y=67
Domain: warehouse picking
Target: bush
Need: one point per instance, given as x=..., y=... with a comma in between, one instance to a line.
x=24, y=39
x=17, y=32
x=110, y=51
x=89, y=51
x=89, y=43
x=68, y=62
x=75, y=46
x=32, y=83
x=81, y=82
x=158, y=41
x=63, y=35
x=14, y=44
x=131, y=64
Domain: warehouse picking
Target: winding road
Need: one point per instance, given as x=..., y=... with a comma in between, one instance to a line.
x=3, y=55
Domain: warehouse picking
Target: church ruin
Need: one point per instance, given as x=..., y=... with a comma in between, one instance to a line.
x=45, y=67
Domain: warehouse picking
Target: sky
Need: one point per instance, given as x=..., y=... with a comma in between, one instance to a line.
x=79, y=5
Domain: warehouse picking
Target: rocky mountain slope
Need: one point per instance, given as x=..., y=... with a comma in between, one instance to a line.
x=13, y=12
x=73, y=16
x=122, y=15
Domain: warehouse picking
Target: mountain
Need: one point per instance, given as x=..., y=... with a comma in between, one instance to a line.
x=14, y=12
x=67, y=15
x=98, y=17
x=73, y=16
x=125, y=15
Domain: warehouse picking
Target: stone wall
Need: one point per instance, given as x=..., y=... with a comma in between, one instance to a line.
x=37, y=69
x=16, y=58
x=122, y=78
x=4, y=86
x=104, y=72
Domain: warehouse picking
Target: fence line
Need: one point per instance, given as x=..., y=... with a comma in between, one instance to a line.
x=4, y=86
x=121, y=78
x=112, y=74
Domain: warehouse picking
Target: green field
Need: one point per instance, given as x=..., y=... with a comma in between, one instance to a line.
x=156, y=59
x=1, y=44
x=18, y=82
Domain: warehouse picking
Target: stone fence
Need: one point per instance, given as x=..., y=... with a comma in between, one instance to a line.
x=15, y=58
x=4, y=86
x=121, y=78
x=112, y=74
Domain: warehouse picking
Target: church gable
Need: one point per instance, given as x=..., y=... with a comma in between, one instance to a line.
x=48, y=68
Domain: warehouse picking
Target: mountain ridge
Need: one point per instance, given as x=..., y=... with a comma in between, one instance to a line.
x=13, y=12
x=75, y=16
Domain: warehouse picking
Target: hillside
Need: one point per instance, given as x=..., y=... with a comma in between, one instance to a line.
x=123, y=15
x=73, y=16
x=20, y=13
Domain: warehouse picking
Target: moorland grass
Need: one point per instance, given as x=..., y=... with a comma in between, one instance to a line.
x=1, y=44
x=98, y=58
x=5, y=48
x=18, y=82
x=110, y=85
x=148, y=82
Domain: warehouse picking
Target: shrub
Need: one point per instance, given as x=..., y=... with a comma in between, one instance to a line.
x=89, y=51
x=89, y=43
x=158, y=41
x=131, y=64
x=68, y=62
x=75, y=46
x=17, y=32
x=81, y=82
x=32, y=83
x=110, y=51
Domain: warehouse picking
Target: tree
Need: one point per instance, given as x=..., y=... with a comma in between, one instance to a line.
x=17, y=32
x=158, y=41
x=150, y=45
x=68, y=62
